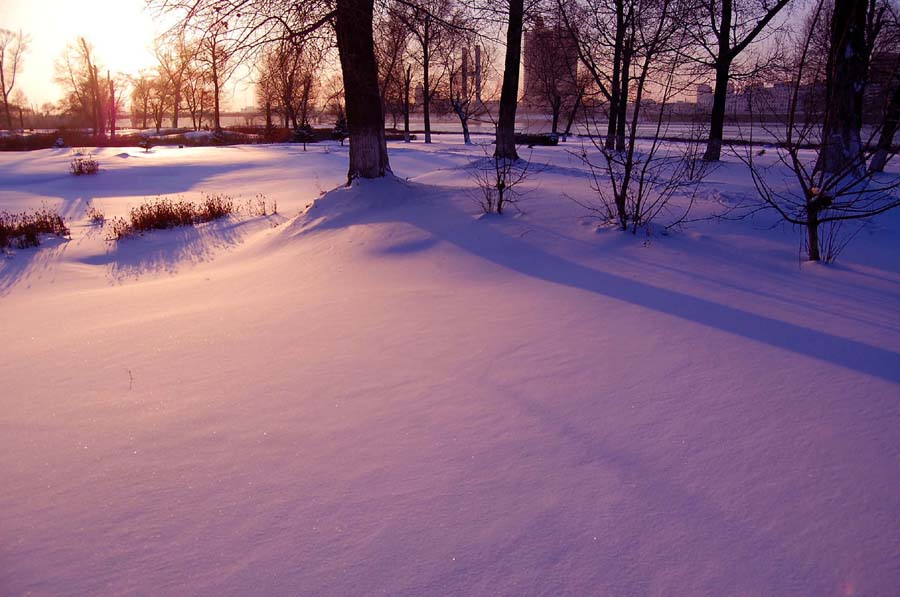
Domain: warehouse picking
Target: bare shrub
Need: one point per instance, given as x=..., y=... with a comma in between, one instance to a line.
x=635, y=187
x=258, y=206
x=84, y=164
x=95, y=215
x=498, y=180
x=162, y=213
x=23, y=230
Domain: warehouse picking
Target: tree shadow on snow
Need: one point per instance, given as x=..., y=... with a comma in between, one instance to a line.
x=430, y=209
x=33, y=263
x=144, y=180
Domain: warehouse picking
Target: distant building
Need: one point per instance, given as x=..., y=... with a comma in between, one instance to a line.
x=704, y=95
x=551, y=59
x=469, y=75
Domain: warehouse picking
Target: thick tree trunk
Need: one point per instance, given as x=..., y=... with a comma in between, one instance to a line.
x=717, y=117
x=509, y=94
x=844, y=88
x=888, y=130
x=720, y=94
x=365, y=118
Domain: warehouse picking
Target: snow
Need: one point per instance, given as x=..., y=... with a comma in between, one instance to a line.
x=379, y=391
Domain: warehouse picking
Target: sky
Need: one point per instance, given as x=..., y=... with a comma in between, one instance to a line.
x=121, y=31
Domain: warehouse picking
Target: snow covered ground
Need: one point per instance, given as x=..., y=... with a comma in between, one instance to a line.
x=389, y=394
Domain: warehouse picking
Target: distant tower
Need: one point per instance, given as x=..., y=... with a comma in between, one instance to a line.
x=704, y=95
x=478, y=73
x=465, y=72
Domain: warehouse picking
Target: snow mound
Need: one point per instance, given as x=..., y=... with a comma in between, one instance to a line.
x=365, y=202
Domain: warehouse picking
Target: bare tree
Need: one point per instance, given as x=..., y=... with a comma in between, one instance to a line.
x=392, y=54
x=116, y=88
x=140, y=99
x=722, y=31
x=464, y=89
x=637, y=184
x=85, y=94
x=253, y=23
x=604, y=32
x=296, y=79
x=215, y=56
x=829, y=190
x=175, y=55
x=12, y=46
x=159, y=98
x=267, y=88
x=499, y=181
x=430, y=24
x=197, y=93
x=551, y=67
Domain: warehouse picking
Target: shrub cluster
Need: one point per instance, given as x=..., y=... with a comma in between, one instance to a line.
x=23, y=230
x=163, y=212
x=258, y=206
x=96, y=215
x=84, y=164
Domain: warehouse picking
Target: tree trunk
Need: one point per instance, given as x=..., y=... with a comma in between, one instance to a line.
x=365, y=118
x=720, y=94
x=463, y=118
x=215, y=80
x=622, y=108
x=426, y=85
x=616, y=74
x=407, y=83
x=176, y=99
x=888, y=130
x=844, y=87
x=9, y=124
x=717, y=118
x=112, y=107
x=812, y=230
x=506, y=123
x=5, y=99
x=573, y=113
x=555, y=108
